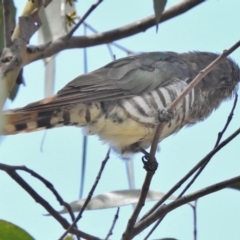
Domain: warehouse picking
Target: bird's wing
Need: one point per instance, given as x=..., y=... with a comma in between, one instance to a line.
x=120, y=79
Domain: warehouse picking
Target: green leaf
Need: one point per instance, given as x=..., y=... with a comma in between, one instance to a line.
x=158, y=6
x=10, y=231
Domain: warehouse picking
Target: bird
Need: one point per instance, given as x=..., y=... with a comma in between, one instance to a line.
x=124, y=101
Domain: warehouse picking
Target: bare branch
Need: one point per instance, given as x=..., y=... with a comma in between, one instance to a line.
x=140, y=204
x=7, y=22
x=142, y=25
x=191, y=172
x=11, y=171
x=129, y=52
x=113, y=224
x=229, y=119
x=89, y=11
x=218, y=140
x=163, y=210
x=89, y=196
x=46, y=183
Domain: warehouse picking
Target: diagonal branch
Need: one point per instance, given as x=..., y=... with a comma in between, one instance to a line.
x=69, y=35
x=110, y=232
x=89, y=196
x=181, y=201
x=51, y=48
x=11, y=171
x=194, y=169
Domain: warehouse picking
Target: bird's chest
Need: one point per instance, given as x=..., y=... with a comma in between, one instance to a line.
x=135, y=120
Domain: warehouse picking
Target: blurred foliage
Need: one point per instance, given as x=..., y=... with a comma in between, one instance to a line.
x=10, y=231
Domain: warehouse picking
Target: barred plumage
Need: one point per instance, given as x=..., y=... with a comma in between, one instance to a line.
x=122, y=102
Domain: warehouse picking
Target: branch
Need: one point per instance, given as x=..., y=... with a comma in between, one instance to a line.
x=217, y=143
x=89, y=11
x=181, y=201
x=51, y=48
x=14, y=57
x=193, y=83
x=44, y=181
x=89, y=196
x=229, y=119
x=131, y=222
x=113, y=224
x=11, y=171
x=7, y=22
x=193, y=170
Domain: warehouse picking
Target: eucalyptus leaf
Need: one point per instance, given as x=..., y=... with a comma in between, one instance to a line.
x=115, y=199
x=158, y=6
x=9, y=231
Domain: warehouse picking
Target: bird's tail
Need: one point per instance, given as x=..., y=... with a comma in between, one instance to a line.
x=12, y=122
x=32, y=118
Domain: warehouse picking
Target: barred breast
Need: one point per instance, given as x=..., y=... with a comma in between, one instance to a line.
x=129, y=124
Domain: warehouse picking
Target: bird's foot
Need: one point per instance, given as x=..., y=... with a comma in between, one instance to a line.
x=150, y=166
x=166, y=116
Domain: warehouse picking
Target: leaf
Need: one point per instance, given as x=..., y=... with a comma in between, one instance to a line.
x=10, y=231
x=115, y=199
x=158, y=6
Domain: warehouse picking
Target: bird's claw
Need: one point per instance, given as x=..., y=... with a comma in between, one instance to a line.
x=165, y=115
x=150, y=166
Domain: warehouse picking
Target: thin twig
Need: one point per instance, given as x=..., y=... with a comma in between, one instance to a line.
x=44, y=181
x=153, y=228
x=129, y=52
x=163, y=210
x=193, y=170
x=194, y=207
x=89, y=11
x=11, y=171
x=113, y=224
x=217, y=143
x=229, y=119
x=89, y=196
x=7, y=22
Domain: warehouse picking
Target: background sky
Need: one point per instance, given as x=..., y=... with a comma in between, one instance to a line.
x=212, y=26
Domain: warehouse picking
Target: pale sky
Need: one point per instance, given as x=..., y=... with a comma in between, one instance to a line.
x=212, y=26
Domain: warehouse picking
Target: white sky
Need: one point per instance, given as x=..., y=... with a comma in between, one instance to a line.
x=212, y=26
